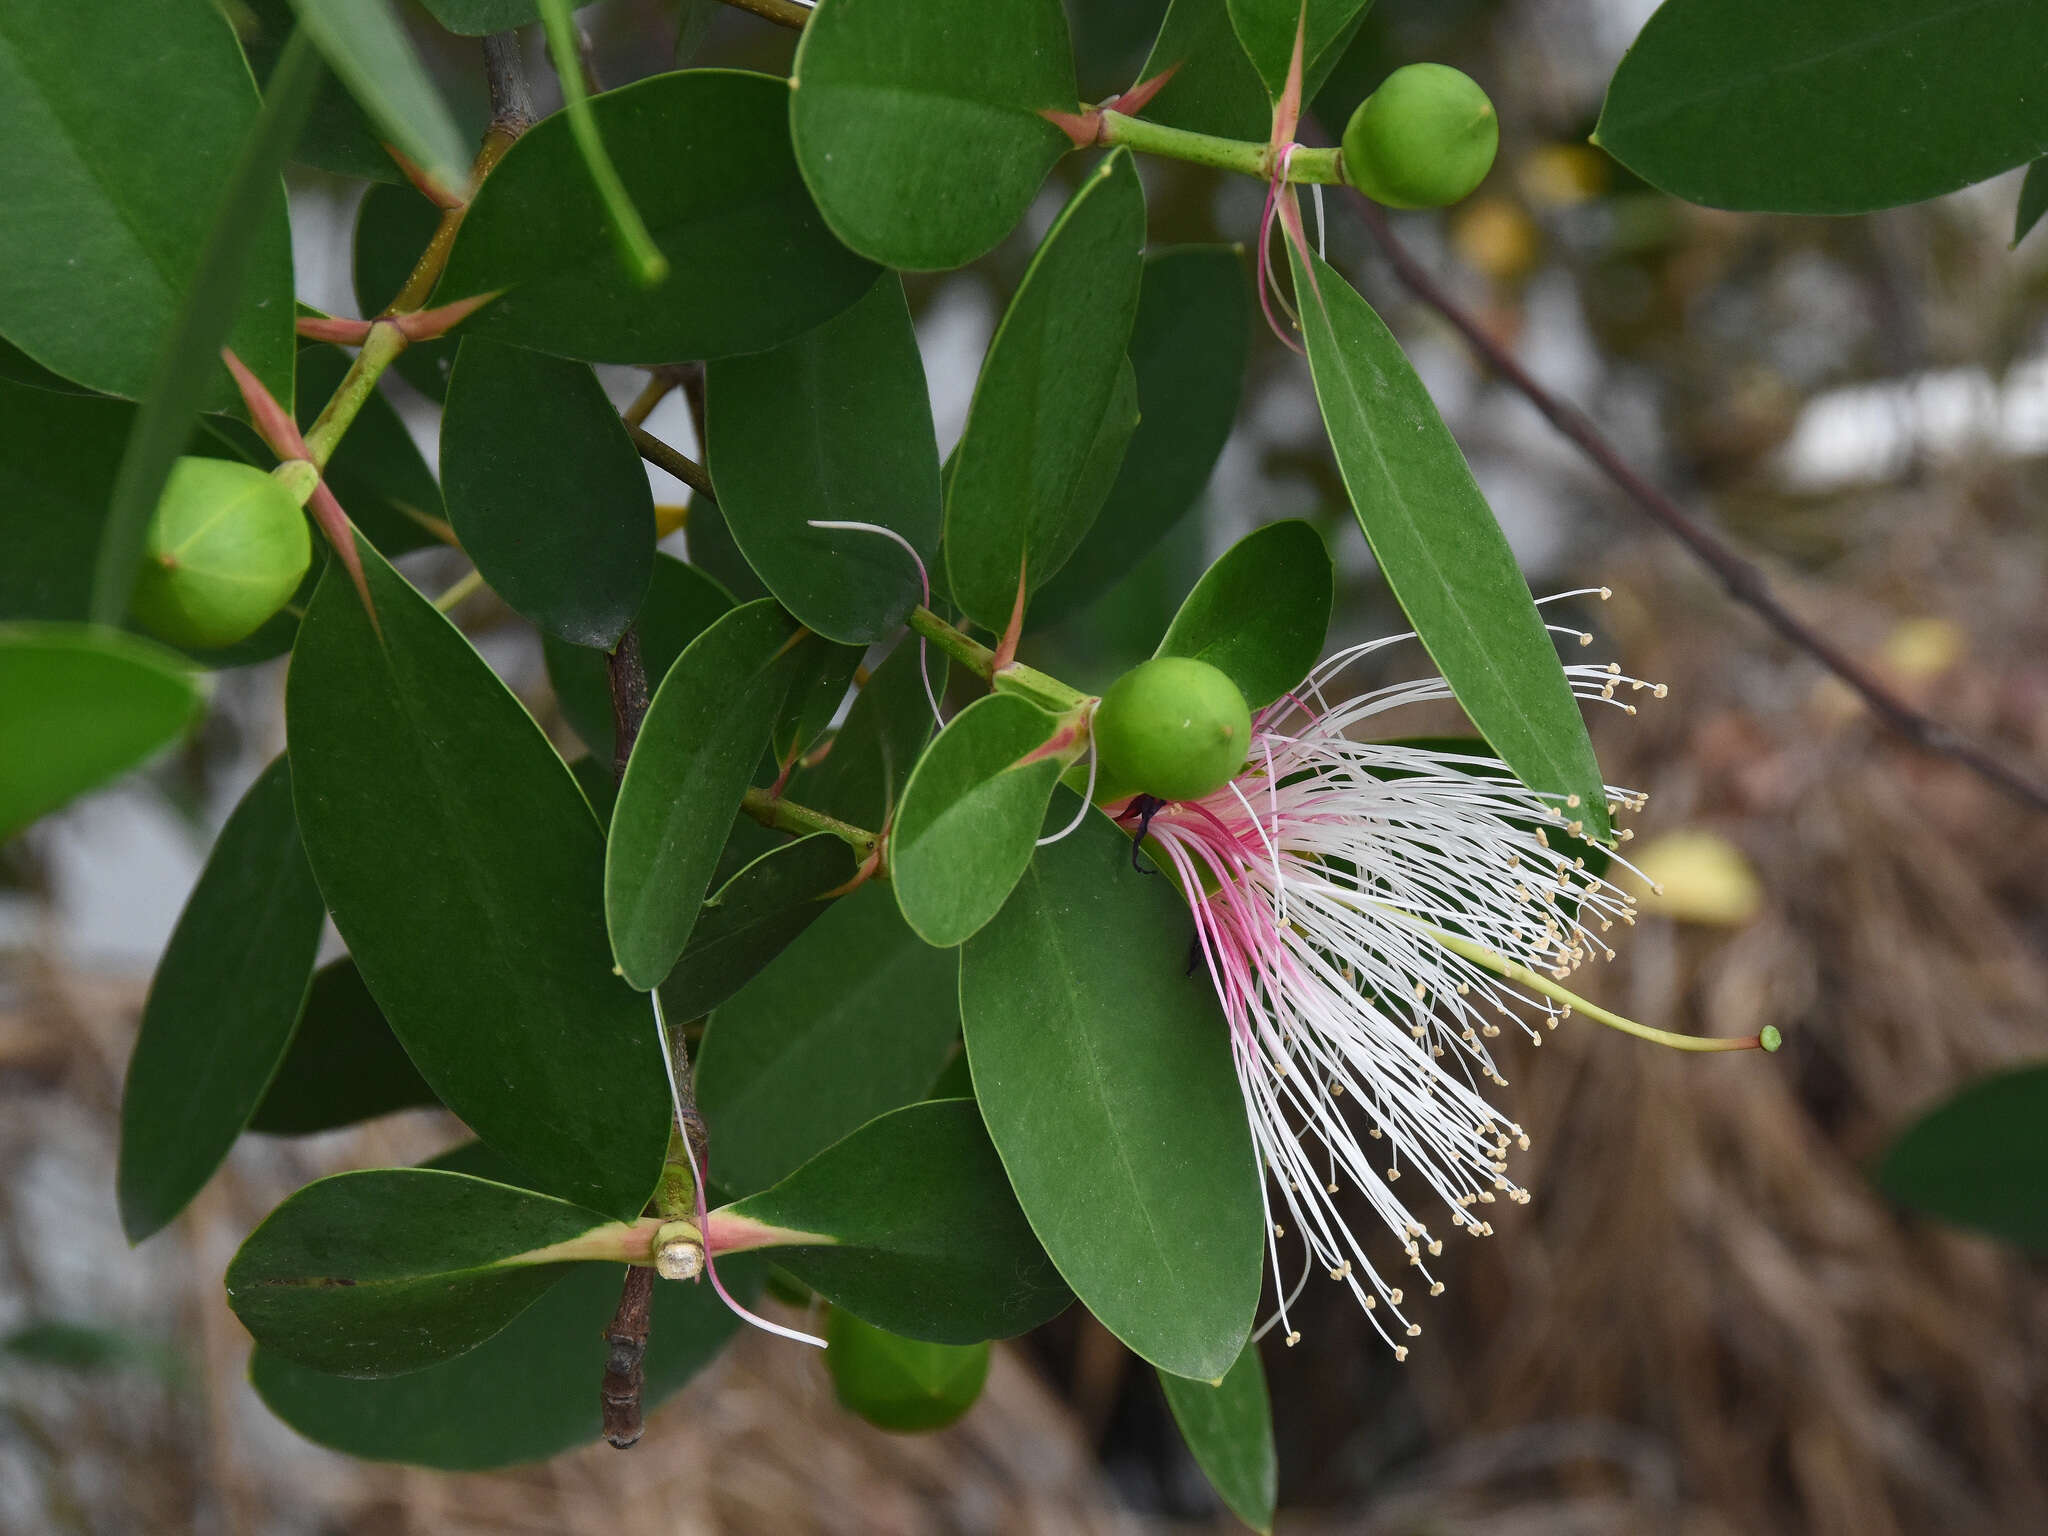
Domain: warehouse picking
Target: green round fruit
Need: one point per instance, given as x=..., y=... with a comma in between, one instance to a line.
x=1425, y=138
x=901, y=1384
x=1172, y=727
x=227, y=548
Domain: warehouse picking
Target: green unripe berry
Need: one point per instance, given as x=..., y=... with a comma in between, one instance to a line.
x=227, y=547
x=1171, y=727
x=1425, y=138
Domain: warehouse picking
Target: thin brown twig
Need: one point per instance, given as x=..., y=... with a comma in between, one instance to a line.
x=1743, y=580
x=676, y=462
x=625, y=1376
x=505, y=72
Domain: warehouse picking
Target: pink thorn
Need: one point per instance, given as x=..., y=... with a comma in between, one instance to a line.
x=341, y=534
x=1287, y=110
x=430, y=324
x=432, y=190
x=1006, y=648
x=1139, y=96
x=1081, y=127
x=272, y=421
x=343, y=333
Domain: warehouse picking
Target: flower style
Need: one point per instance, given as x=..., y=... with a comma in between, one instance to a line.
x=1369, y=912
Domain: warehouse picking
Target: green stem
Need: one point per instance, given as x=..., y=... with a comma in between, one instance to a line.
x=1243, y=156
x=1041, y=688
x=643, y=258
x=787, y=816
x=379, y=351
x=459, y=592
x=1522, y=975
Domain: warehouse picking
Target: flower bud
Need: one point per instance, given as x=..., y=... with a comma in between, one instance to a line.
x=227, y=547
x=1425, y=138
x=1171, y=727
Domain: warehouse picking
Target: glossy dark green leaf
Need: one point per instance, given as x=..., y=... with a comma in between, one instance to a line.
x=752, y=918
x=861, y=778
x=392, y=1269
x=1039, y=404
x=697, y=749
x=970, y=815
x=393, y=226
x=17, y=367
x=1980, y=1159
x=1103, y=1067
x=854, y=1018
x=337, y=137
x=108, y=213
x=344, y=1063
x=917, y=121
x=1229, y=1428
x=816, y=690
x=1260, y=612
x=479, y=18
x=222, y=1008
x=2033, y=200
x=1828, y=106
x=1217, y=89
x=366, y=47
x=57, y=459
x=1267, y=30
x=84, y=705
x=524, y=1394
x=704, y=154
x=926, y=1238
x=1187, y=351
x=1439, y=547
x=898, y=1384
x=680, y=605
x=462, y=866
x=546, y=491
x=835, y=426
x=1104, y=460
x=377, y=472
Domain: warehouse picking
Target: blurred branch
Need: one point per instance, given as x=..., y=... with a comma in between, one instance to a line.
x=784, y=13
x=676, y=462
x=505, y=71
x=1744, y=581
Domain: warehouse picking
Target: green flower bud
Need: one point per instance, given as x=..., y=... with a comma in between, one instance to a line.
x=1171, y=727
x=227, y=548
x=1425, y=138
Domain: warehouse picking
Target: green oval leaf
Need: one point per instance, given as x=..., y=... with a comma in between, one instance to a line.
x=1981, y=1159
x=970, y=815
x=917, y=122
x=1267, y=29
x=854, y=1018
x=817, y=688
x=898, y=1384
x=343, y=1065
x=1259, y=614
x=368, y=50
x=525, y=1394
x=392, y=1269
x=1439, y=547
x=1229, y=1428
x=1044, y=391
x=1216, y=89
x=835, y=426
x=1103, y=1068
x=222, y=1008
x=546, y=491
x=1187, y=352
x=925, y=1237
x=696, y=753
x=109, y=214
x=681, y=603
x=393, y=226
x=704, y=154
x=751, y=919
x=57, y=458
x=462, y=866
x=84, y=705
x=1829, y=106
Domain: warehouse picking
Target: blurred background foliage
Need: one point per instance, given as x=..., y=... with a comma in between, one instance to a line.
x=1707, y=1321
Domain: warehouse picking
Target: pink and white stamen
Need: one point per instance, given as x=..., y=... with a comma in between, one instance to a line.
x=1322, y=880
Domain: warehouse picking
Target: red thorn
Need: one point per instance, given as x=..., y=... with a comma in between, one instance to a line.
x=272, y=421
x=1082, y=127
x=341, y=534
x=1139, y=96
x=428, y=324
x=1006, y=648
x=432, y=190
x=1287, y=110
x=343, y=333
